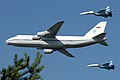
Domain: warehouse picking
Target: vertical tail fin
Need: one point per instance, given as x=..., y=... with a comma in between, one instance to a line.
x=111, y=63
x=108, y=9
x=98, y=29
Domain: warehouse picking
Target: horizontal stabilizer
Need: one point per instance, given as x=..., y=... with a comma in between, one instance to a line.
x=93, y=65
x=103, y=43
x=100, y=36
x=87, y=13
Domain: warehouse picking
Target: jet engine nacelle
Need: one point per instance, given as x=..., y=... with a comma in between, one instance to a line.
x=43, y=33
x=48, y=51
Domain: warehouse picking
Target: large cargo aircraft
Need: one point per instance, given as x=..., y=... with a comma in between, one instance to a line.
x=48, y=40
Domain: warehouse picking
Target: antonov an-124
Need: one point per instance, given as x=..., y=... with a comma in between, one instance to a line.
x=48, y=40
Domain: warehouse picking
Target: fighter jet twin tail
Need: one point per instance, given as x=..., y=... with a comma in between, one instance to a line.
x=48, y=40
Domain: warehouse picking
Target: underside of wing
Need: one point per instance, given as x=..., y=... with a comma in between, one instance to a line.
x=65, y=52
x=55, y=28
x=102, y=11
x=52, y=31
x=106, y=64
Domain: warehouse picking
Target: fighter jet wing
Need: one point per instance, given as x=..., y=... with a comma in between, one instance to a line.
x=55, y=28
x=65, y=52
x=105, y=9
x=106, y=64
x=102, y=11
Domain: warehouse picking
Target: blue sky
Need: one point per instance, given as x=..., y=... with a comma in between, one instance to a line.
x=29, y=17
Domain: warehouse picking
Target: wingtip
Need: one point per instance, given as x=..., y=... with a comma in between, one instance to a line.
x=61, y=21
x=72, y=56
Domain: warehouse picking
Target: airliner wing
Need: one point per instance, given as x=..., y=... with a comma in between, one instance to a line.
x=65, y=52
x=55, y=28
x=52, y=31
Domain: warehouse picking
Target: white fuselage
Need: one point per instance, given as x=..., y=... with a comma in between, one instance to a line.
x=51, y=42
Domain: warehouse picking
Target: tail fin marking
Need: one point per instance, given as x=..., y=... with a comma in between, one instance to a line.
x=98, y=29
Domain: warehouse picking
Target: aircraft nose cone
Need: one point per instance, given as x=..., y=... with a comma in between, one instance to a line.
x=7, y=42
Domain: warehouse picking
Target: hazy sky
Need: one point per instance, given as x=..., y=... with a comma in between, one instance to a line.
x=29, y=17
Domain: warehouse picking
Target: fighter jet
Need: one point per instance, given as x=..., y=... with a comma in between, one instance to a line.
x=107, y=66
x=106, y=12
x=48, y=40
